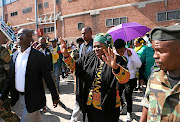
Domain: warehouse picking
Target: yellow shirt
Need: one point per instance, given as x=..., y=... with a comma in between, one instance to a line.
x=55, y=55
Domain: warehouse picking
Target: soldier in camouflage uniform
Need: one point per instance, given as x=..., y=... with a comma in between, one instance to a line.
x=5, y=111
x=162, y=98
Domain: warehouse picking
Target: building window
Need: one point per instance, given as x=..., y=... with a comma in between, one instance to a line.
x=48, y=29
x=80, y=25
x=109, y=22
x=40, y=6
x=13, y=14
x=169, y=15
x=178, y=15
x=161, y=16
x=46, y=5
x=58, y=1
x=27, y=10
x=115, y=21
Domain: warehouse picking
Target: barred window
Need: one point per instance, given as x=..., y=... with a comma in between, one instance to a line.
x=46, y=5
x=27, y=10
x=58, y=1
x=13, y=14
x=80, y=25
x=162, y=16
x=169, y=15
x=115, y=21
x=40, y=6
x=48, y=29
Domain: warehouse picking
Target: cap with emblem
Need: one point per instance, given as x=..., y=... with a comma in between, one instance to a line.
x=165, y=33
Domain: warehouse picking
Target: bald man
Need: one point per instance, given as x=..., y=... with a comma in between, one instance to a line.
x=27, y=68
x=87, y=46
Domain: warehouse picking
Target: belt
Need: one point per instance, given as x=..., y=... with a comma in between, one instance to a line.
x=22, y=93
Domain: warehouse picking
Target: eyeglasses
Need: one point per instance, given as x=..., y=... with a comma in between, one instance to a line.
x=21, y=34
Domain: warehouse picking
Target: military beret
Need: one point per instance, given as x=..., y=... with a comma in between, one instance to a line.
x=165, y=33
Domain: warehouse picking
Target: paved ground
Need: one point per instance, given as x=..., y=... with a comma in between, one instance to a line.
x=67, y=96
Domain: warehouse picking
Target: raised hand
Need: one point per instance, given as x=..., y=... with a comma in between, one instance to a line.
x=63, y=48
x=110, y=58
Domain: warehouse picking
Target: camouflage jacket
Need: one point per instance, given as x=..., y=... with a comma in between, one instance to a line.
x=4, y=65
x=161, y=99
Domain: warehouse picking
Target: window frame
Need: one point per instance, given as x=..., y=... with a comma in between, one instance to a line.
x=25, y=12
x=79, y=24
x=46, y=4
x=59, y=2
x=13, y=14
x=41, y=6
x=166, y=12
x=50, y=28
x=112, y=19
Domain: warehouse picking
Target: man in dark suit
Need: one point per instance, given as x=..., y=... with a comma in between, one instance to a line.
x=45, y=50
x=27, y=68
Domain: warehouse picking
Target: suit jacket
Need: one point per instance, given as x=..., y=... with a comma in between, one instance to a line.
x=49, y=58
x=36, y=69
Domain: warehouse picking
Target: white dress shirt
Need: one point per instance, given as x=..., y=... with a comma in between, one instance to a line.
x=20, y=69
x=134, y=62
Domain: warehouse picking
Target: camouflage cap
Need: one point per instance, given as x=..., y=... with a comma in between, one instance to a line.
x=165, y=33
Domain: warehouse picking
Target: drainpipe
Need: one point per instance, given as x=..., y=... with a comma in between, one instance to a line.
x=36, y=15
x=166, y=5
x=2, y=6
x=55, y=19
x=63, y=28
x=166, y=8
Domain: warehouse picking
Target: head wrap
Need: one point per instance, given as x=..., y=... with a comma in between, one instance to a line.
x=104, y=38
x=140, y=40
x=165, y=33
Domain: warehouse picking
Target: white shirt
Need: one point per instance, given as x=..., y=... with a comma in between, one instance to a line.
x=20, y=69
x=134, y=62
x=43, y=51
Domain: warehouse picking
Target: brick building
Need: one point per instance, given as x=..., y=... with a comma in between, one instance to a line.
x=101, y=15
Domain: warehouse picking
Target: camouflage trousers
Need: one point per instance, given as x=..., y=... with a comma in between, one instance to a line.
x=6, y=114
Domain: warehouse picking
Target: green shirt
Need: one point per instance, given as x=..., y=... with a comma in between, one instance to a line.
x=148, y=60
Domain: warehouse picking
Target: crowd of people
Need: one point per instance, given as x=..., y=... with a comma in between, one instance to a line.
x=104, y=69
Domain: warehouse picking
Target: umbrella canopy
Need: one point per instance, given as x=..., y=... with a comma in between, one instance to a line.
x=128, y=31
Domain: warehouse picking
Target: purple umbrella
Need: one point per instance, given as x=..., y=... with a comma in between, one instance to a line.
x=128, y=31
